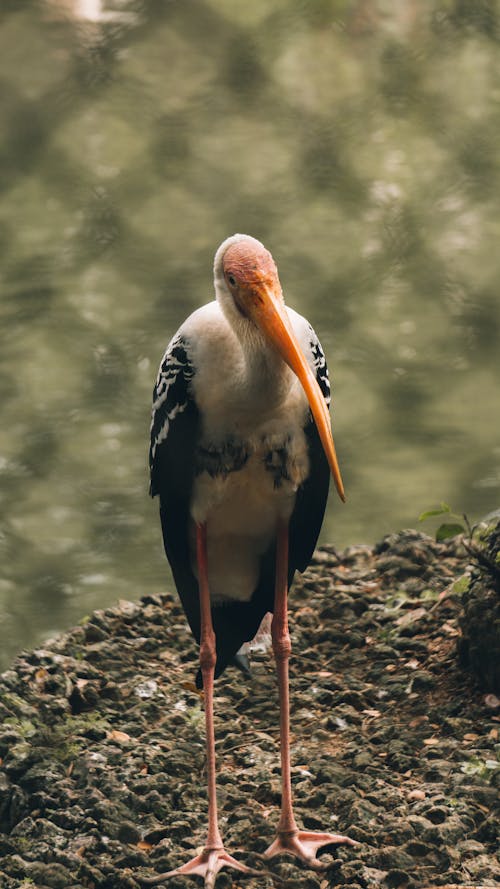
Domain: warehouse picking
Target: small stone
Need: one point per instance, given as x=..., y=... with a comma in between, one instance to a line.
x=93, y=633
x=396, y=877
x=470, y=847
x=52, y=875
x=417, y=849
x=146, y=689
x=128, y=833
x=157, y=834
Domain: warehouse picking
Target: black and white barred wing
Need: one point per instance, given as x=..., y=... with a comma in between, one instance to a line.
x=320, y=366
x=174, y=439
x=174, y=423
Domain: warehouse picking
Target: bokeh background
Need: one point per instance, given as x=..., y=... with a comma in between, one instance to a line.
x=358, y=140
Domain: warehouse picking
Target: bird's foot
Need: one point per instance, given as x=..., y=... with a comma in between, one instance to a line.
x=207, y=865
x=305, y=844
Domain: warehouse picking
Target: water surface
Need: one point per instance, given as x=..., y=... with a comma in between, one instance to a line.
x=358, y=140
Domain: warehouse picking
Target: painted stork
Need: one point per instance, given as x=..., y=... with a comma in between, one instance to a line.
x=241, y=454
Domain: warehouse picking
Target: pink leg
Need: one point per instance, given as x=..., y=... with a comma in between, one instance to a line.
x=214, y=856
x=291, y=840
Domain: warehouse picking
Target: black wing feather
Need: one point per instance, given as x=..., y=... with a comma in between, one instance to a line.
x=312, y=496
x=174, y=435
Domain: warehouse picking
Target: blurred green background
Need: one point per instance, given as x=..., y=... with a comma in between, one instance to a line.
x=358, y=140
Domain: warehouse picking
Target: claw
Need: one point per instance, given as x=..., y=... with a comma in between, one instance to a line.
x=305, y=845
x=206, y=865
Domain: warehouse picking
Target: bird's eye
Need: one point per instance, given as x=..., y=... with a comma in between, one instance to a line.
x=231, y=280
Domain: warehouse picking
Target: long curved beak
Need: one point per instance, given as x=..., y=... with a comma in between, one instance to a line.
x=267, y=311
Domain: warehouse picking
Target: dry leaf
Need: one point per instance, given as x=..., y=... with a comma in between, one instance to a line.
x=492, y=701
x=190, y=686
x=418, y=720
x=411, y=616
x=115, y=735
x=374, y=713
x=431, y=742
x=146, y=847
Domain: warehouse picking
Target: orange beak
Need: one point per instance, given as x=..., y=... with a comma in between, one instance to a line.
x=264, y=306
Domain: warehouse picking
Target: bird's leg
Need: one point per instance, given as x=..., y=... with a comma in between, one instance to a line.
x=303, y=844
x=213, y=857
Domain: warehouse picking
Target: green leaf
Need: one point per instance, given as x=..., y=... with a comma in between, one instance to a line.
x=441, y=510
x=448, y=530
x=462, y=584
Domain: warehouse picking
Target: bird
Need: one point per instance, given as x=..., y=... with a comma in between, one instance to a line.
x=241, y=453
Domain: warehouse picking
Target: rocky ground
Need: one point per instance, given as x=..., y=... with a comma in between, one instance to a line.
x=102, y=738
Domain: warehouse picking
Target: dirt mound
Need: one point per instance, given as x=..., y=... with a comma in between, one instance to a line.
x=102, y=738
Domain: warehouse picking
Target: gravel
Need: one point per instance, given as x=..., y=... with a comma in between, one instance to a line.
x=102, y=738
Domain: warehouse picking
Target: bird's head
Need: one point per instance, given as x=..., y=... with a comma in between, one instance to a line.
x=249, y=292
x=249, y=269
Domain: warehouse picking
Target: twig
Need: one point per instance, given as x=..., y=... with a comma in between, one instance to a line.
x=459, y=886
